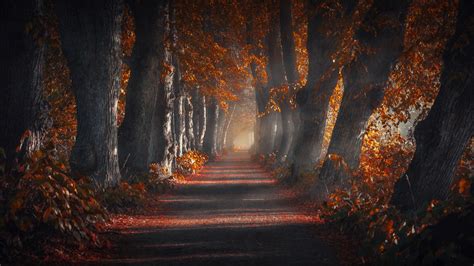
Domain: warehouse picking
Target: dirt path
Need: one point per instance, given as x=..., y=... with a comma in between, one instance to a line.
x=230, y=214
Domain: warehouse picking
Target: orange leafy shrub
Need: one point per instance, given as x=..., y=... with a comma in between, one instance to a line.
x=40, y=203
x=191, y=161
x=363, y=210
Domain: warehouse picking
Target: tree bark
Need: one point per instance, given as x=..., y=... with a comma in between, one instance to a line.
x=364, y=82
x=225, y=142
x=210, y=138
x=143, y=86
x=313, y=100
x=275, y=128
x=189, y=123
x=222, y=122
x=179, y=112
x=290, y=116
x=162, y=146
x=22, y=107
x=90, y=35
x=200, y=119
x=442, y=137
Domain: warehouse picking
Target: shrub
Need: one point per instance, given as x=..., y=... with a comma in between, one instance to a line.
x=363, y=211
x=41, y=202
x=191, y=161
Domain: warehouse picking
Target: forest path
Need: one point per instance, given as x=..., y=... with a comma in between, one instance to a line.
x=232, y=213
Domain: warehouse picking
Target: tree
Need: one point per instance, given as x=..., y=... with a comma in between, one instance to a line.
x=289, y=115
x=189, y=122
x=200, y=116
x=22, y=106
x=380, y=38
x=276, y=128
x=210, y=137
x=179, y=110
x=90, y=35
x=143, y=86
x=162, y=144
x=325, y=28
x=442, y=137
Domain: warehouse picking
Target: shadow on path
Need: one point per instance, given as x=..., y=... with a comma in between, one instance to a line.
x=229, y=214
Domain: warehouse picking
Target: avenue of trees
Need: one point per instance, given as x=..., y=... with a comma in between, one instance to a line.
x=345, y=91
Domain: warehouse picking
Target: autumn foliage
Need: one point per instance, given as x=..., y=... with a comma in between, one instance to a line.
x=42, y=204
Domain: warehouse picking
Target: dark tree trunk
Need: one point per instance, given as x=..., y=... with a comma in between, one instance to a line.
x=288, y=42
x=261, y=94
x=162, y=145
x=142, y=90
x=221, y=130
x=364, y=82
x=289, y=116
x=200, y=116
x=277, y=129
x=90, y=35
x=323, y=43
x=229, y=117
x=442, y=137
x=210, y=138
x=260, y=139
x=22, y=106
x=197, y=112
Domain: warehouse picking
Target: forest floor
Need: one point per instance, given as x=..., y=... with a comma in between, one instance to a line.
x=231, y=213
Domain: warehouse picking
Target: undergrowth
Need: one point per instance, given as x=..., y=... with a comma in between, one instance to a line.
x=42, y=205
x=45, y=210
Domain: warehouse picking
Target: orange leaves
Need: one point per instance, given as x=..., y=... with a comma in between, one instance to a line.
x=212, y=60
x=192, y=161
x=45, y=199
x=128, y=32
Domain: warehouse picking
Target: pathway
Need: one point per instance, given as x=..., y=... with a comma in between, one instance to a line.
x=230, y=214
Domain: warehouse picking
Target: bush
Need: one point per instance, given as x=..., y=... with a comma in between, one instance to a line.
x=394, y=238
x=41, y=202
x=191, y=161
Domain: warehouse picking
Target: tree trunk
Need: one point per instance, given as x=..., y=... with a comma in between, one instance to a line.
x=222, y=122
x=313, y=100
x=90, y=34
x=290, y=116
x=162, y=144
x=279, y=131
x=225, y=142
x=200, y=121
x=22, y=106
x=180, y=116
x=210, y=138
x=288, y=42
x=261, y=95
x=442, y=137
x=189, y=123
x=364, y=82
x=142, y=90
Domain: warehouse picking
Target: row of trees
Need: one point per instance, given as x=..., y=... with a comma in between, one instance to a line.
x=171, y=68
x=364, y=44
x=171, y=104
